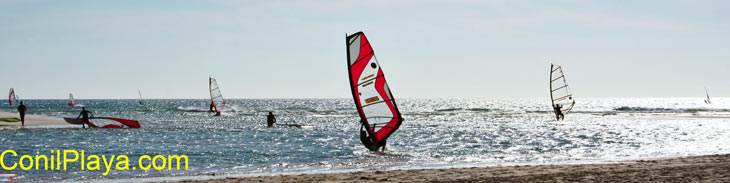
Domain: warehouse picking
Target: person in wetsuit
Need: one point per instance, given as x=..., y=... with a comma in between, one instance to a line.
x=211, y=107
x=558, y=113
x=21, y=110
x=85, y=114
x=366, y=140
x=270, y=119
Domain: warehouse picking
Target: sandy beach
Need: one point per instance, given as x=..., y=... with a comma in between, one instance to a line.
x=31, y=120
x=711, y=168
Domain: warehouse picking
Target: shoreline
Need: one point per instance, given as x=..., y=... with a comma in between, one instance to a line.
x=31, y=120
x=715, y=168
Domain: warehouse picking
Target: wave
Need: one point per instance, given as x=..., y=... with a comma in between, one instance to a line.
x=462, y=109
x=667, y=110
x=192, y=109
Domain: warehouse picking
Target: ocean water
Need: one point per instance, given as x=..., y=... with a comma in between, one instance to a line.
x=436, y=133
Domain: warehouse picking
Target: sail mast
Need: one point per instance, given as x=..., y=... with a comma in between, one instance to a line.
x=140, y=97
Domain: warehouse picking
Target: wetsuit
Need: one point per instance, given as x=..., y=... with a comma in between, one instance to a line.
x=270, y=120
x=85, y=116
x=558, y=113
x=21, y=110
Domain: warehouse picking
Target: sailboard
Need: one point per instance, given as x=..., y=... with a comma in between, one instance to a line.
x=140, y=101
x=105, y=122
x=560, y=93
x=707, y=101
x=216, y=98
x=379, y=114
x=12, y=99
x=7, y=177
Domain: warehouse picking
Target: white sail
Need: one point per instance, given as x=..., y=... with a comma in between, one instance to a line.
x=71, y=101
x=560, y=93
x=141, y=102
x=707, y=101
x=216, y=98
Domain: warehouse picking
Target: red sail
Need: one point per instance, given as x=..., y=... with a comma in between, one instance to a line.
x=373, y=99
x=12, y=99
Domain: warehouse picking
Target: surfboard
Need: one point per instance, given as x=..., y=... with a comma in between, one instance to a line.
x=10, y=119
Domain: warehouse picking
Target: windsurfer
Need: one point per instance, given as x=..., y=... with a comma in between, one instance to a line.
x=211, y=106
x=85, y=114
x=21, y=110
x=558, y=113
x=368, y=142
x=270, y=119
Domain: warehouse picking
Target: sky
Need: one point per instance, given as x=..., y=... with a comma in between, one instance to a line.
x=427, y=49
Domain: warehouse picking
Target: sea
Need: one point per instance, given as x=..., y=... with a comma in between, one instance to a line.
x=436, y=133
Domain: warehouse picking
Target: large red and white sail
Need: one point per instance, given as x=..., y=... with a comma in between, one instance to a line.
x=216, y=98
x=374, y=102
x=560, y=93
x=12, y=99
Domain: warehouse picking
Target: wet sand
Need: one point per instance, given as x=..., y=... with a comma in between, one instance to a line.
x=712, y=168
x=31, y=120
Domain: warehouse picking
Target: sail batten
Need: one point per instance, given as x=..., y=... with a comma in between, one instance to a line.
x=379, y=115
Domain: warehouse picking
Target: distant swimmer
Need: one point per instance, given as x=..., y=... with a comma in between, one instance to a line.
x=558, y=112
x=270, y=119
x=21, y=110
x=85, y=114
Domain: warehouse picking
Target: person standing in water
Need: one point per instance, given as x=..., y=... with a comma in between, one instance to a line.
x=21, y=110
x=366, y=140
x=558, y=113
x=85, y=114
x=270, y=119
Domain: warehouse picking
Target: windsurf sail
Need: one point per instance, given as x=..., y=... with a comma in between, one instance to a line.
x=105, y=122
x=216, y=98
x=140, y=97
x=707, y=101
x=71, y=99
x=12, y=99
x=560, y=93
x=379, y=115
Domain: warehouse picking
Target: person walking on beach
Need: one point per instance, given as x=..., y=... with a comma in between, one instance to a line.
x=270, y=119
x=85, y=114
x=558, y=113
x=21, y=110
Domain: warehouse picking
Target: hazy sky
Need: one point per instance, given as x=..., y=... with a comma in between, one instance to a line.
x=296, y=49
